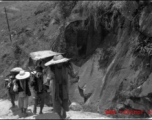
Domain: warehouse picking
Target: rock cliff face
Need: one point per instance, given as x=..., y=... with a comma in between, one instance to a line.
x=118, y=71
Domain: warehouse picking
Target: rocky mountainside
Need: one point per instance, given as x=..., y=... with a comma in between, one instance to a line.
x=124, y=60
x=109, y=43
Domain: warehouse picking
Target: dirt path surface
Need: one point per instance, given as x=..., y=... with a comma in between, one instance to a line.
x=6, y=112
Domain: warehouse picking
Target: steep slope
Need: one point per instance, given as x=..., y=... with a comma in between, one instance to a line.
x=125, y=61
x=27, y=26
x=109, y=43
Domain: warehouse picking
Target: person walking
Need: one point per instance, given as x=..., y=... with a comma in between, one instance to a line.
x=60, y=68
x=9, y=84
x=22, y=82
x=38, y=89
x=48, y=86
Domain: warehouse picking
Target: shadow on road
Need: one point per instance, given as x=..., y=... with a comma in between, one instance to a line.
x=48, y=116
x=16, y=111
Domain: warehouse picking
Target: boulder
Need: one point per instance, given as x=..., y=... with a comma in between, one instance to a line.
x=120, y=106
x=75, y=106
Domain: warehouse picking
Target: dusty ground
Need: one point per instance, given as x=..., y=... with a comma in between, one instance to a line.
x=6, y=112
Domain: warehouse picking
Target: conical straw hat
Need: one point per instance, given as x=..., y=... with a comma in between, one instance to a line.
x=56, y=60
x=23, y=75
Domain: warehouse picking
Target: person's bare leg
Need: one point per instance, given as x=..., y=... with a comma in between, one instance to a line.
x=63, y=114
x=20, y=104
x=12, y=97
x=57, y=108
x=25, y=112
x=42, y=103
x=35, y=106
x=25, y=106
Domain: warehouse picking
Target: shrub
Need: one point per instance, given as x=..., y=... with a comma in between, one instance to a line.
x=97, y=9
x=43, y=7
x=143, y=48
x=65, y=8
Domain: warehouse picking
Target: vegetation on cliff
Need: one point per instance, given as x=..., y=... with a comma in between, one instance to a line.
x=109, y=40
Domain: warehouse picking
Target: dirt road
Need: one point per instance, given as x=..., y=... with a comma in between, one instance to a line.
x=6, y=112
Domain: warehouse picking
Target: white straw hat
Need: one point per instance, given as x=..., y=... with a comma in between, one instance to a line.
x=56, y=60
x=23, y=75
x=16, y=69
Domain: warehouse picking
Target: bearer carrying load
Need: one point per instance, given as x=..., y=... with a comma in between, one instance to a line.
x=40, y=82
x=10, y=84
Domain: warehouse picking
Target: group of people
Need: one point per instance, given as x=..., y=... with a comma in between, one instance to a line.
x=27, y=84
x=18, y=84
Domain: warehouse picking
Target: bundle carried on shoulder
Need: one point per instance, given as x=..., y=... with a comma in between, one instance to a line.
x=15, y=88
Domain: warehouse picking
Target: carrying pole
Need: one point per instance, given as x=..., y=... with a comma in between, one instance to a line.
x=8, y=24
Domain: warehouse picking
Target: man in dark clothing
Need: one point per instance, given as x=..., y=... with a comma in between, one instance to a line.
x=38, y=89
x=9, y=85
x=61, y=69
